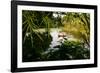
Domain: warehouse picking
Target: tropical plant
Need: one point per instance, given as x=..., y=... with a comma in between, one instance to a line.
x=35, y=41
x=34, y=53
x=69, y=50
x=78, y=25
x=36, y=36
x=33, y=21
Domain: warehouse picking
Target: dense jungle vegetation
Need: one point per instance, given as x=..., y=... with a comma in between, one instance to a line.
x=73, y=29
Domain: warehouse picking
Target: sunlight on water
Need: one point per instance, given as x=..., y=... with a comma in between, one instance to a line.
x=55, y=39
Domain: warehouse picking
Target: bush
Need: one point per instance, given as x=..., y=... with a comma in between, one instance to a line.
x=70, y=50
x=32, y=48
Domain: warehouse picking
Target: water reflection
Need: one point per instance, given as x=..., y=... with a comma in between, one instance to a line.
x=58, y=37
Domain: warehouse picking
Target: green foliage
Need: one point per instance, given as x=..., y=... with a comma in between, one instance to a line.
x=78, y=25
x=33, y=20
x=36, y=42
x=32, y=49
x=69, y=50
